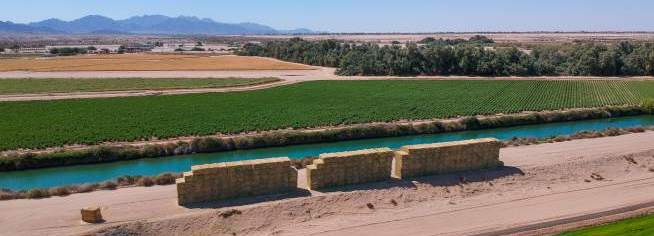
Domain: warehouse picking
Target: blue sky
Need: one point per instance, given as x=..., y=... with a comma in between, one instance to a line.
x=366, y=15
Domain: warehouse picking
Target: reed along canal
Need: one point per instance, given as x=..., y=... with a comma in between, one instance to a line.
x=59, y=176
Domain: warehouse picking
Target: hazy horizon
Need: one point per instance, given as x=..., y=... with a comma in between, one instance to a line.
x=367, y=15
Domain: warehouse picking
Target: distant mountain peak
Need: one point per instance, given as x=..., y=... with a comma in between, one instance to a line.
x=145, y=24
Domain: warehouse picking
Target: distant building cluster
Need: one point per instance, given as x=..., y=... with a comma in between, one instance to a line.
x=92, y=49
x=193, y=48
x=184, y=47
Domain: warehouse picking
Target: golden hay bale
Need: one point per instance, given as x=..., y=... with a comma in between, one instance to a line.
x=92, y=215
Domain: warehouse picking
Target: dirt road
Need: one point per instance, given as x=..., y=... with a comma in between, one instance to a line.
x=287, y=77
x=540, y=185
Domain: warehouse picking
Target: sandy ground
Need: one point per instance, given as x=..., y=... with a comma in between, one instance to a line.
x=147, y=62
x=541, y=186
x=287, y=77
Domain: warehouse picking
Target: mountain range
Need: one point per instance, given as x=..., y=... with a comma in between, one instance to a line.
x=147, y=24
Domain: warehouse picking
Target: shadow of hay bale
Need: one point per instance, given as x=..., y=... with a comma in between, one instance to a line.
x=435, y=180
x=249, y=200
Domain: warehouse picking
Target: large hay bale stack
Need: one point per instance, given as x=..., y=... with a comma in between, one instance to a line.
x=346, y=168
x=236, y=179
x=443, y=158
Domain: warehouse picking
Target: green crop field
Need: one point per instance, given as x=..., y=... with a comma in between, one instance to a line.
x=57, y=85
x=642, y=226
x=40, y=124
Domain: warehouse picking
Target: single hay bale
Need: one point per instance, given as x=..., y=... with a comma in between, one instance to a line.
x=92, y=215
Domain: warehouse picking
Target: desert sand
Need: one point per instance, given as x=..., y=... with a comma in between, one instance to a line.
x=540, y=187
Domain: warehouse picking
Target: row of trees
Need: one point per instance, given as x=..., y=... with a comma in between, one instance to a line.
x=464, y=57
x=477, y=39
x=69, y=51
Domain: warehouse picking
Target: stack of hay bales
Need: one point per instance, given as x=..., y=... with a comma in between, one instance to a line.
x=276, y=175
x=346, y=168
x=444, y=158
x=236, y=179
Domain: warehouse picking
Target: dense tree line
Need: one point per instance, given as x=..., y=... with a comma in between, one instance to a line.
x=478, y=39
x=68, y=51
x=477, y=56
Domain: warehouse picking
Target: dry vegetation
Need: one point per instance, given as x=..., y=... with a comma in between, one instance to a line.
x=146, y=62
x=120, y=182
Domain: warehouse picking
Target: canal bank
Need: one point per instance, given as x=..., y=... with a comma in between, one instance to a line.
x=50, y=177
x=111, y=152
x=553, y=169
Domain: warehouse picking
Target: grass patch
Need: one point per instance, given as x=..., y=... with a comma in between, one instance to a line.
x=40, y=124
x=64, y=85
x=641, y=226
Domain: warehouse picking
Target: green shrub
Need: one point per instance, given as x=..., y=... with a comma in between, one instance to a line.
x=60, y=191
x=6, y=194
x=648, y=105
x=37, y=193
x=145, y=181
x=85, y=188
x=108, y=185
x=127, y=180
x=165, y=179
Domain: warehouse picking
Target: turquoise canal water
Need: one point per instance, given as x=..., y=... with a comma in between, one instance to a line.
x=51, y=177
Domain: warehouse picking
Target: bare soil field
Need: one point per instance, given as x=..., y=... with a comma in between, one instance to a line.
x=147, y=62
x=535, y=37
x=540, y=187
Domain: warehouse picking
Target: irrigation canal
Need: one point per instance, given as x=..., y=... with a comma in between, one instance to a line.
x=59, y=176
